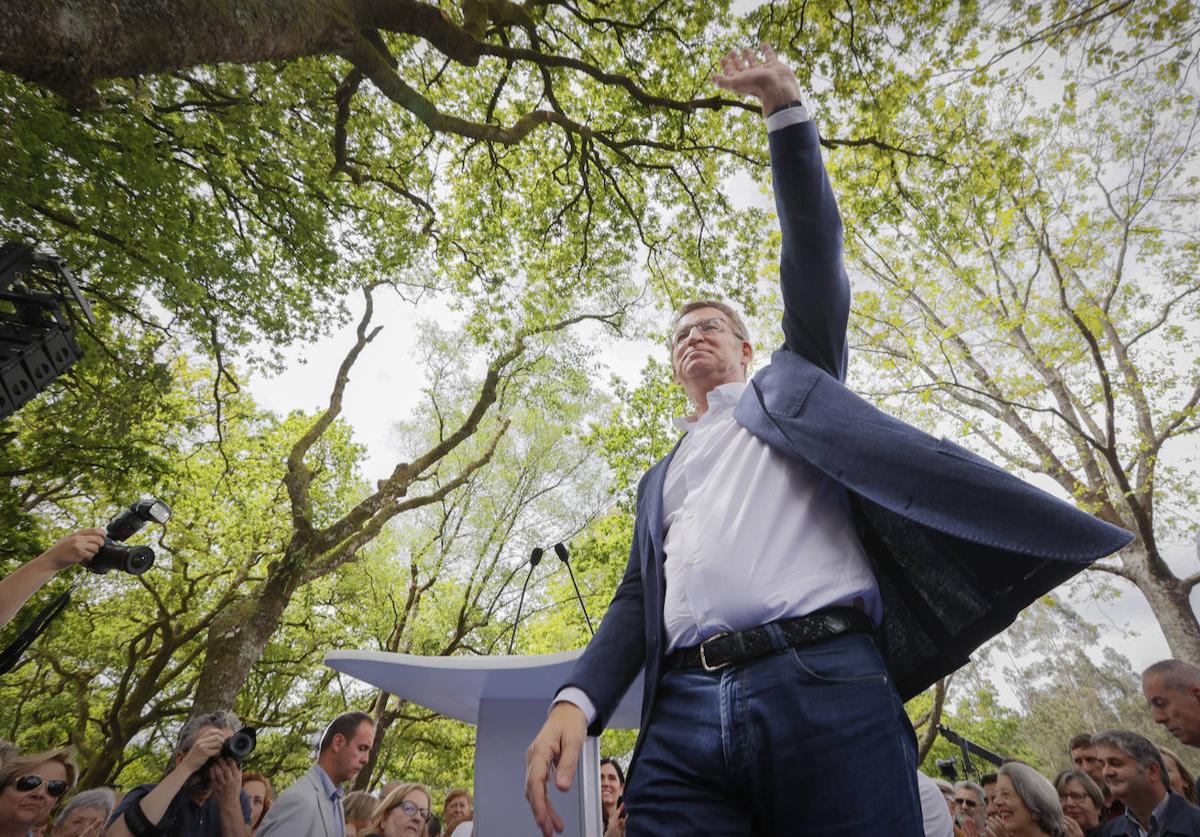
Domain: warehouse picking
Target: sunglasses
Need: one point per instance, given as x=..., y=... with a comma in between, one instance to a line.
x=54, y=787
x=412, y=808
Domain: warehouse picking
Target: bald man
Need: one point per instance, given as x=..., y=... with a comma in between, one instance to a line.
x=1172, y=688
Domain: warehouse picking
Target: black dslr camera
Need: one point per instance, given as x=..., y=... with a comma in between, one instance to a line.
x=240, y=745
x=116, y=555
x=237, y=747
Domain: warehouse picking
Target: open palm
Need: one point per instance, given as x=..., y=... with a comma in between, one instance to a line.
x=763, y=76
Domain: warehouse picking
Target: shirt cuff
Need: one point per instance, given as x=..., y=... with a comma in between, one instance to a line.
x=786, y=117
x=577, y=696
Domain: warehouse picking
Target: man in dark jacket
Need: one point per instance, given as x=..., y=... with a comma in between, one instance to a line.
x=1135, y=771
x=801, y=562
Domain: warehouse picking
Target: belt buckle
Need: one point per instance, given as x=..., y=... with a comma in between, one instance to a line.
x=704, y=660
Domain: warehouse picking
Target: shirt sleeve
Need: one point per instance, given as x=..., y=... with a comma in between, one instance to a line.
x=127, y=802
x=578, y=697
x=788, y=116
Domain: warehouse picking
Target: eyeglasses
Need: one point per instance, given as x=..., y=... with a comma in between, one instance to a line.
x=411, y=808
x=713, y=325
x=54, y=787
x=1073, y=796
x=970, y=803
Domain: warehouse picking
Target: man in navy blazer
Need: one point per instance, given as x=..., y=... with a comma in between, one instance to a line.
x=801, y=562
x=1135, y=770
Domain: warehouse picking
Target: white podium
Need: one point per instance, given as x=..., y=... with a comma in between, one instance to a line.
x=506, y=698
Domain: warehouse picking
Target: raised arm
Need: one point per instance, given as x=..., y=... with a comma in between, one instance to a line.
x=74, y=549
x=812, y=274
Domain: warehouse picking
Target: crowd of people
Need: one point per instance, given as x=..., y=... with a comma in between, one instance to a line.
x=206, y=794
x=1118, y=783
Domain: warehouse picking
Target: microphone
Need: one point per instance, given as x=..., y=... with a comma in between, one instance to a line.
x=535, y=558
x=560, y=550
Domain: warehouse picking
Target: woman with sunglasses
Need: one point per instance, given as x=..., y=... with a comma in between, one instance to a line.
x=403, y=813
x=30, y=786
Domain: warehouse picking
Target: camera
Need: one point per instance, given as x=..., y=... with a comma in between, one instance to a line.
x=948, y=768
x=117, y=555
x=237, y=747
x=240, y=745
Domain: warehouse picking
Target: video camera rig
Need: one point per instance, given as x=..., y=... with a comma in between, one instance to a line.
x=37, y=337
x=947, y=767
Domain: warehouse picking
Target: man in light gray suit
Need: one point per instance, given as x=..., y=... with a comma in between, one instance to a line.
x=313, y=806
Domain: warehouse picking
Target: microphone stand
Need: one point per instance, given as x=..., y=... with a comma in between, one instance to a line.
x=535, y=558
x=561, y=551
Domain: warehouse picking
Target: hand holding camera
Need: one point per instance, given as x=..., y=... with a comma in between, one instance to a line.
x=73, y=549
x=206, y=749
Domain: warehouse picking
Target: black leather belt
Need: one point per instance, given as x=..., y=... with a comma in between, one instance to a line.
x=738, y=647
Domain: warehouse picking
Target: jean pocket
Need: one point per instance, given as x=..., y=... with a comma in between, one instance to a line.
x=851, y=659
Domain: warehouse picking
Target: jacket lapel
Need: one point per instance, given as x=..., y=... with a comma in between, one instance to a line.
x=321, y=800
x=654, y=505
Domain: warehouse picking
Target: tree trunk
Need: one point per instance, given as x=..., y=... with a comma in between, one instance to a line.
x=935, y=718
x=1169, y=599
x=236, y=641
x=100, y=769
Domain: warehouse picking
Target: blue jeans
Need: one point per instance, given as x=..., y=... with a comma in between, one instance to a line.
x=808, y=741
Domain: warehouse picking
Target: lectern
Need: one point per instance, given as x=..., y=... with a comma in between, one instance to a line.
x=506, y=698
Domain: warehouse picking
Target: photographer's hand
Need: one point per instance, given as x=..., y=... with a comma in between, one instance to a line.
x=75, y=548
x=226, y=778
x=206, y=746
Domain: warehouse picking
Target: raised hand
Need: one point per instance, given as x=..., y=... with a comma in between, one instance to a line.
x=764, y=77
x=74, y=548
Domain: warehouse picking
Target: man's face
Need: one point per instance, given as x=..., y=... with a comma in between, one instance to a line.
x=707, y=359
x=350, y=756
x=1085, y=759
x=1177, y=710
x=968, y=805
x=989, y=793
x=459, y=806
x=200, y=782
x=1125, y=777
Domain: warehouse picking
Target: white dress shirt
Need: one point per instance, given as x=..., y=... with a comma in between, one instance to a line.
x=751, y=535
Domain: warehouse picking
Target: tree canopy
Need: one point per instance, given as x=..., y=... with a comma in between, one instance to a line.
x=1019, y=185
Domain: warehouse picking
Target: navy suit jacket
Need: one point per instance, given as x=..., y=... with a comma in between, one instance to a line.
x=958, y=545
x=1181, y=819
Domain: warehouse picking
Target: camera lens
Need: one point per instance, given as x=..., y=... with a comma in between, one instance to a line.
x=139, y=559
x=240, y=744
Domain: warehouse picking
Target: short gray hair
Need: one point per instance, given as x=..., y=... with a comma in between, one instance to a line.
x=971, y=786
x=1037, y=794
x=1176, y=675
x=1140, y=749
x=103, y=798
x=222, y=719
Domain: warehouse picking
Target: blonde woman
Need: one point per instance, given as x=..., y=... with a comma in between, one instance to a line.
x=403, y=813
x=30, y=787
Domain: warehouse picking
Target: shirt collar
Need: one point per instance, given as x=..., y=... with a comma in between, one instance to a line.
x=331, y=790
x=720, y=400
x=1156, y=816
